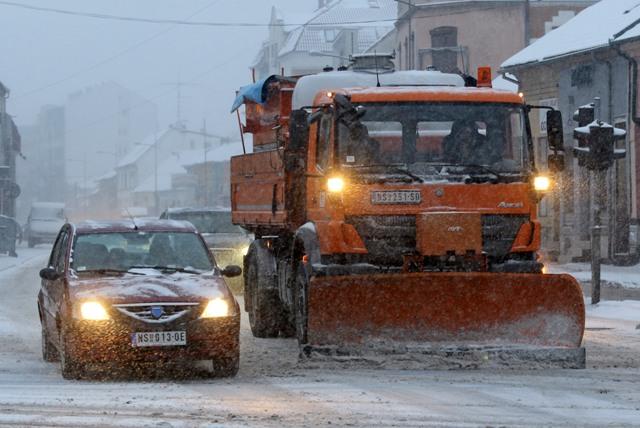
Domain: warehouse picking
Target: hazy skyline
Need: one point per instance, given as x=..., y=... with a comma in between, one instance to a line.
x=47, y=56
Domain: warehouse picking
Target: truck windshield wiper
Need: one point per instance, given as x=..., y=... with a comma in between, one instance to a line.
x=167, y=268
x=477, y=166
x=395, y=168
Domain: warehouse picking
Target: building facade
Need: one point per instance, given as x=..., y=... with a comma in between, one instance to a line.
x=460, y=36
x=102, y=122
x=327, y=38
x=566, y=76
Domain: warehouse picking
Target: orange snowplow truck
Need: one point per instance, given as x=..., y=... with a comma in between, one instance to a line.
x=399, y=215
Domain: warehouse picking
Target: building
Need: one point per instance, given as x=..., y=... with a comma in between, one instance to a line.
x=148, y=168
x=102, y=122
x=41, y=172
x=326, y=38
x=10, y=147
x=593, y=55
x=455, y=35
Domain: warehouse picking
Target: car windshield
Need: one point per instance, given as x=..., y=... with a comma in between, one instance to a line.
x=464, y=137
x=209, y=222
x=124, y=251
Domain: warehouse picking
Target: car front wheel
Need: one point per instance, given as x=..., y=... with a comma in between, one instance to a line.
x=71, y=369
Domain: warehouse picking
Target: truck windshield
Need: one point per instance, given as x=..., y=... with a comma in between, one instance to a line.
x=466, y=137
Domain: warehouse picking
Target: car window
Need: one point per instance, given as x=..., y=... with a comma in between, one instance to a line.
x=209, y=222
x=123, y=251
x=58, y=259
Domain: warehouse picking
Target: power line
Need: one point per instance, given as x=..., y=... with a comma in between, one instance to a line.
x=183, y=22
x=110, y=58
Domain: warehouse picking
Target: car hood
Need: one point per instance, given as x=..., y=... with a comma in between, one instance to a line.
x=151, y=288
x=226, y=240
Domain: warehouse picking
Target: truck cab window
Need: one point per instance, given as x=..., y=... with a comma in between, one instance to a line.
x=323, y=144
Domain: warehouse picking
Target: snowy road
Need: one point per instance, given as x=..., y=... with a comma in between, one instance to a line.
x=272, y=389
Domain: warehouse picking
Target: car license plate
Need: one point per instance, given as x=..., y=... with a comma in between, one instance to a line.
x=396, y=197
x=158, y=338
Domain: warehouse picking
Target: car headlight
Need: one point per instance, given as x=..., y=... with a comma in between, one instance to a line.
x=216, y=308
x=335, y=184
x=542, y=183
x=93, y=311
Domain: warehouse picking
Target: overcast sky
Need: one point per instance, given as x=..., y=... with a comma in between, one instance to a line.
x=38, y=49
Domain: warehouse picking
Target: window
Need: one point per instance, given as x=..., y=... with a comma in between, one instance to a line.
x=323, y=145
x=444, y=42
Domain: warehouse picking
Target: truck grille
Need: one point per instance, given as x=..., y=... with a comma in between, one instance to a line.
x=387, y=238
x=499, y=232
x=156, y=313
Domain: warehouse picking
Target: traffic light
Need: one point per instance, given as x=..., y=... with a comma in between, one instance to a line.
x=596, y=149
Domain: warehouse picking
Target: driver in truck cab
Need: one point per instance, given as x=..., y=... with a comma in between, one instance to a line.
x=464, y=145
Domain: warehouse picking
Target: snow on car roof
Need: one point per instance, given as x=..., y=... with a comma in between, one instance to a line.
x=109, y=226
x=592, y=28
x=181, y=210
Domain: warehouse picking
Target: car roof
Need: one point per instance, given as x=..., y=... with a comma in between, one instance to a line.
x=187, y=210
x=111, y=226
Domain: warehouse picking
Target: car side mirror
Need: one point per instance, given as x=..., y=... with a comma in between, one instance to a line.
x=50, y=274
x=232, y=271
x=555, y=132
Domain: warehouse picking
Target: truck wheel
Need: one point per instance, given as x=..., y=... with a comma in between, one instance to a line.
x=265, y=308
x=49, y=352
x=70, y=368
x=300, y=289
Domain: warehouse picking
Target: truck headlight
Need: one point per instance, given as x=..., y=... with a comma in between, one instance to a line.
x=93, y=311
x=335, y=184
x=216, y=308
x=542, y=183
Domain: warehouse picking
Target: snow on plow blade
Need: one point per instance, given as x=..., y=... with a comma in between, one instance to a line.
x=529, y=316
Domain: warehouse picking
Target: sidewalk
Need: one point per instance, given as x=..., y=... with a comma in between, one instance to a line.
x=24, y=254
x=618, y=282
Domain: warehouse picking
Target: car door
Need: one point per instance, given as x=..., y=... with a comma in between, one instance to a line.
x=53, y=290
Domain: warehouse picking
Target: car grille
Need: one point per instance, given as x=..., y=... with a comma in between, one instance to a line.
x=387, y=238
x=156, y=313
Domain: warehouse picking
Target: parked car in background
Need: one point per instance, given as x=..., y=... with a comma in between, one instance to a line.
x=228, y=242
x=44, y=222
x=126, y=292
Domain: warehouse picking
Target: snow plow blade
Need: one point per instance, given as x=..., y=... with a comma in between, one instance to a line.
x=535, y=316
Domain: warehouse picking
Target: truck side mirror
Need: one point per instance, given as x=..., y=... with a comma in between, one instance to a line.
x=298, y=130
x=556, y=162
x=555, y=132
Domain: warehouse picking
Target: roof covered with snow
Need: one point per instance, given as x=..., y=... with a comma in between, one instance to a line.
x=373, y=19
x=595, y=27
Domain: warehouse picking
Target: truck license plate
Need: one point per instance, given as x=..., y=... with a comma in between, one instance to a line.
x=158, y=338
x=396, y=197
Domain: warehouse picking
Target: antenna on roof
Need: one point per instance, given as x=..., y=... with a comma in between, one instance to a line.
x=375, y=55
x=133, y=220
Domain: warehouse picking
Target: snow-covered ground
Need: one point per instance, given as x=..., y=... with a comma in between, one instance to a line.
x=624, y=276
x=273, y=389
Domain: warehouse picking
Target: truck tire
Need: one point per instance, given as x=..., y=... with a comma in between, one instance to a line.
x=264, y=305
x=300, y=288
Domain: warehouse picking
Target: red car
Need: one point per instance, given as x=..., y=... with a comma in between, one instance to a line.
x=128, y=291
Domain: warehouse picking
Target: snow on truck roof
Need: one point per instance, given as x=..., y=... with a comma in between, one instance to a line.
x=608, y=21
x=434, y=94
x=308, y=87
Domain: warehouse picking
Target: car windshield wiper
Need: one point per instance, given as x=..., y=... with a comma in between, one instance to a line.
x=397, y=168
x=106, y=271
x=167, y=268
